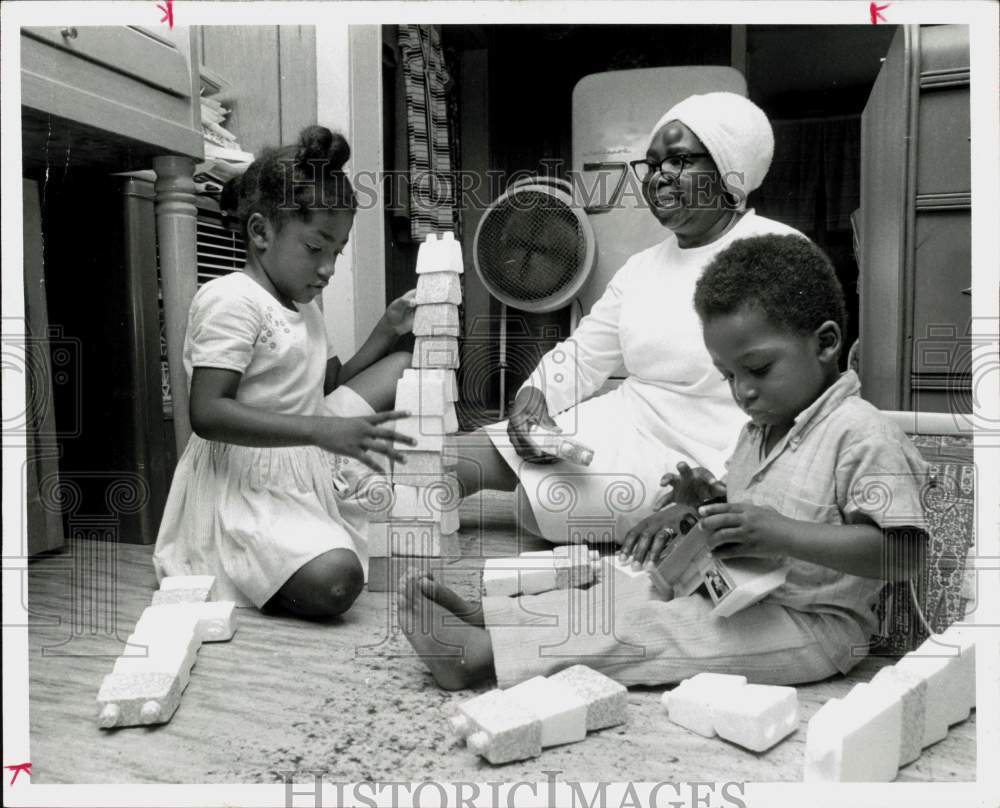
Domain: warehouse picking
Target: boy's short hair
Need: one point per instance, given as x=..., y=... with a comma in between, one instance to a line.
x=787, y=277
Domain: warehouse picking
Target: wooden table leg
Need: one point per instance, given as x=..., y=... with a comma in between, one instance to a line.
x=176, y=219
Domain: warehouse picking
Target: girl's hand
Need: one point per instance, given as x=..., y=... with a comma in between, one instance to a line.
x=399, y=314
x=645, y=542
x=739, y=529
x=355, y=437
x=530, y=408
x=689, y=487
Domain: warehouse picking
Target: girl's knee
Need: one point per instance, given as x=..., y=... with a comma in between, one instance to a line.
x=327, y=586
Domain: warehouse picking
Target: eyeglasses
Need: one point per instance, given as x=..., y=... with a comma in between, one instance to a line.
x=670, y=166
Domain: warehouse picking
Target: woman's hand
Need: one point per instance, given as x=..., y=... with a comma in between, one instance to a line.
x=645, y=542
x=355, y=437
x=689, y=487
x=739, y=529
x=399, y=314
x=530, y=408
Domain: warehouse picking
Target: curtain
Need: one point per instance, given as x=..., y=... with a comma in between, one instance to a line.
x=431, y=186
x=815, y=177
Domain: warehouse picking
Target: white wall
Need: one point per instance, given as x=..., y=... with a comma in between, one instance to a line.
x=333, y=104
x=349, y=98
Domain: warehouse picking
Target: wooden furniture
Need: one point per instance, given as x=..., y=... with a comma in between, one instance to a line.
x=97, y=101
x=914, y=233
x=124, y=82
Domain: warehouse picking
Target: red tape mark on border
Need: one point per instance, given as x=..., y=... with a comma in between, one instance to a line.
x=875, y=12
x=168, y=13
x=17, y=768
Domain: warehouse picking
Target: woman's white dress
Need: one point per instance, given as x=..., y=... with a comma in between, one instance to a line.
x=673, y=404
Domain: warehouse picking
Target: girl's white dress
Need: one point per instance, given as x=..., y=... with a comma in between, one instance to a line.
x=252, y=516
x=672, y=406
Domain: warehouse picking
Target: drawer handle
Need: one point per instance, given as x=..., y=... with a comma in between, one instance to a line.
x=69, y=33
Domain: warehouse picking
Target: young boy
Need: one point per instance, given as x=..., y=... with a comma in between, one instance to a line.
x=818, y=477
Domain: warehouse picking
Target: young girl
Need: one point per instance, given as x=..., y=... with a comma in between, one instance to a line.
x=257, y=498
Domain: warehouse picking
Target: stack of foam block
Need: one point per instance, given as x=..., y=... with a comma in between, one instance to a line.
x=884, y=724
x=517, y=723
x=420, y=522
x=754, y=716
x=565, y=566
x=147, y=681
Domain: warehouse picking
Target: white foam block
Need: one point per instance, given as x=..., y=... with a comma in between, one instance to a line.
x=957, y=645
x=189, y=582
x=755, y=716
x=627, y=583
x=424, y=469
x=690, y=703
x=562, y=712
x=435, y=352
x=214, y=622
x=855, y=739
x=431, y=376
x=167, y=596
x=934, y=672
x=573, y=566
x=450, y=419
x=131, y=699
x=498, y=727
x=912, y=695
x=442, y=254
x=426, y=430
x=421, y=393
x=439, y=287
x=170, y=653
x=434, y=503
x=436, y=320
x=419, y=539
x=606, y=699
x=518, y=576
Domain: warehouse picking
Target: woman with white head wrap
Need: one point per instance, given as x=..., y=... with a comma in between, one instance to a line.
x=704, y=156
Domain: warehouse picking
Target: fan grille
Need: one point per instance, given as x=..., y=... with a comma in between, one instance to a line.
x=531, y=246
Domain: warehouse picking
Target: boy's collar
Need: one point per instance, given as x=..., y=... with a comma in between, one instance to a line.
x=847, y=384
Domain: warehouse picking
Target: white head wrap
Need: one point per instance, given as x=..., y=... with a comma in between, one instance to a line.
x=735, y=131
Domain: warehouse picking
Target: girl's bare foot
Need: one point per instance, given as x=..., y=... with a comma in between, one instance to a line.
x=457, y=653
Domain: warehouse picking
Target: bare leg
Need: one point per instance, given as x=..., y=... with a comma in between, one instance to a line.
x=376, y=384
x=480, y=465
x=458, y=654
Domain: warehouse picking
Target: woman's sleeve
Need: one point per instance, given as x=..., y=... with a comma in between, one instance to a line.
x=577, y=367
x=222, y=330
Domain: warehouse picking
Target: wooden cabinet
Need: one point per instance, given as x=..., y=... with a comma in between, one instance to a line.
x=915, y=239
x=97, y=101
x=125, y=88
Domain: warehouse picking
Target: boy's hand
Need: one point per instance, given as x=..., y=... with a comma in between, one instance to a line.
x=355, y=437
x=646, y=541
x=399, y=314
x=530, y=408
x=739, y=529
x=689, y=487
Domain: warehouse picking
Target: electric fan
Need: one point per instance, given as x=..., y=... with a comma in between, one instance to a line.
x=534, y=250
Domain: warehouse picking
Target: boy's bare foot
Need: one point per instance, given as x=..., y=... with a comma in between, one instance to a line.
x=471, y=613
x=457, y=653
